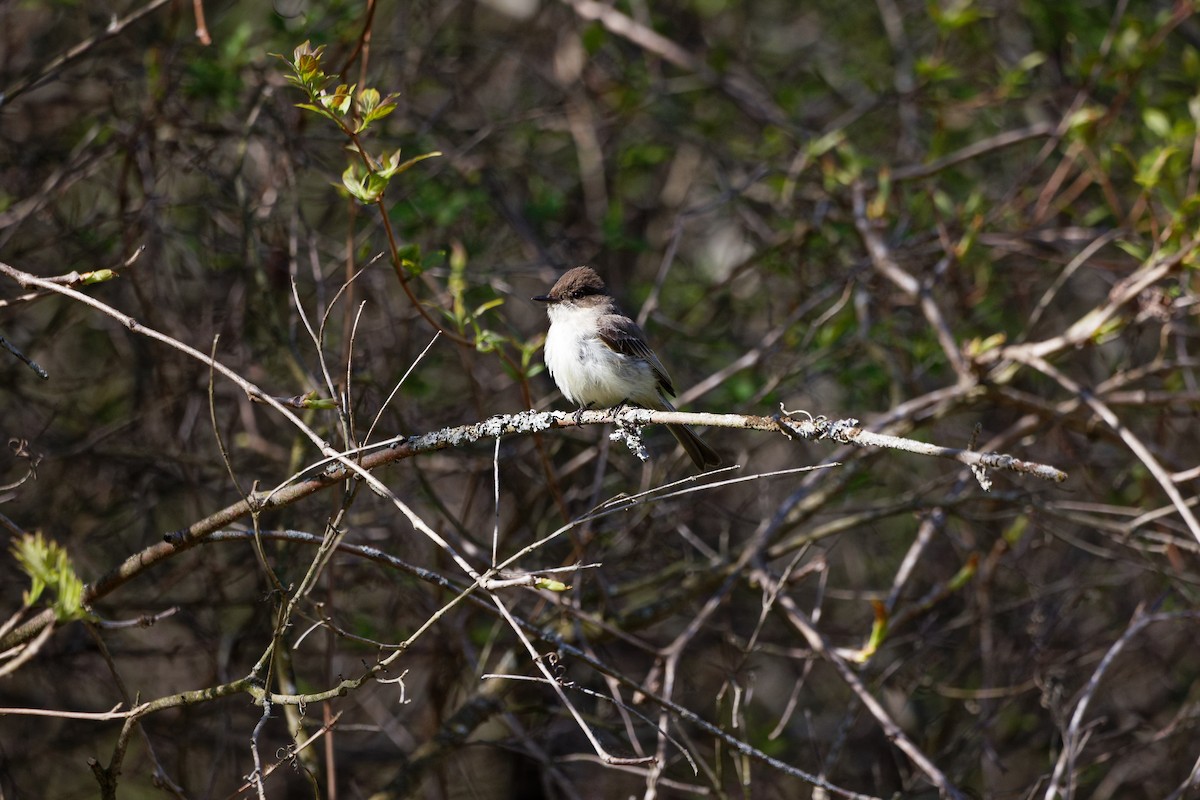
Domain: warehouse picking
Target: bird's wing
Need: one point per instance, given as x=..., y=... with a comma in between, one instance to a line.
x=625, y=337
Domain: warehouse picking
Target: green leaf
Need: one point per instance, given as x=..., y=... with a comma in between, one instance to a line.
x=411, y=254
x=309, y=106
x=315, y=401
x=383, y=109
x=488, y=306
x=456, y=284
x=408, y=164
x=965, y=573
x=1017, y=530
x=366, y=186
x=934, y=69
x=370, y=106
x=1085, y=116
x=98, y=276
x=1157, y=122
x=488, y=341
x=954, y=15
x=389, y=164
x=823, y=144
x=49, y=567
x=368, y=99
x=1031, y=61
x=307, y=51
x=1135, y=249
x=339, y=101
x=1152, y=164
x=977, y=346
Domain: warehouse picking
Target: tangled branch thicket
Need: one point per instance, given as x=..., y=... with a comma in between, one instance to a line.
x=286, y=516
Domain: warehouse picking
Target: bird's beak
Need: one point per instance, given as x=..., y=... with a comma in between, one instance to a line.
x=543, y=298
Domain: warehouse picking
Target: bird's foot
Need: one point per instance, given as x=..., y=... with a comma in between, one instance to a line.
x=579, y=414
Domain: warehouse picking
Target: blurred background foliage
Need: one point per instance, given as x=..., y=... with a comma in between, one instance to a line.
x=721, y=164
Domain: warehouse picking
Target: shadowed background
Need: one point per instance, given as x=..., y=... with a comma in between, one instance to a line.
x=726, y=167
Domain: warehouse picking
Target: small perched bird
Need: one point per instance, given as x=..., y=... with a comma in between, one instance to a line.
x=599, y=357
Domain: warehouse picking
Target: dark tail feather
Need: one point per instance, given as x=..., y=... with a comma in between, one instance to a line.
x=702, y=455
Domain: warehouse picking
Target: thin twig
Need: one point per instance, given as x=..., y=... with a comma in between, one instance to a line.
x=1063, y=778
x=1131, y=441
x=29, y=362
x=816, y=641
x=114, y=28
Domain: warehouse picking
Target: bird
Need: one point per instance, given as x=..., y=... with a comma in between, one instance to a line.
x=599, y=358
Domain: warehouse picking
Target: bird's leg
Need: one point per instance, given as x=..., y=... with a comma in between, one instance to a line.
x=579, y=414
x=619, y=407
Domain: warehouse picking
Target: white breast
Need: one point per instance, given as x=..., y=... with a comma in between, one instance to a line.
x=587, y=371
